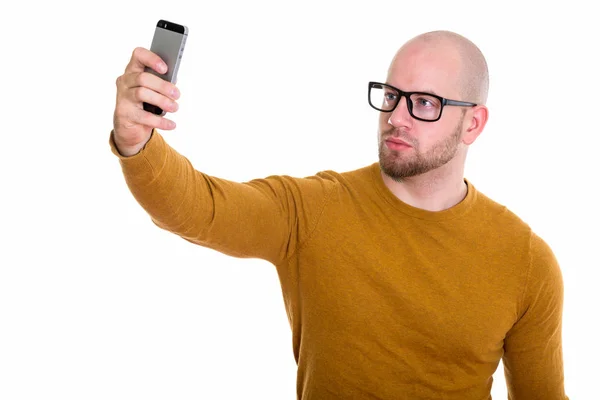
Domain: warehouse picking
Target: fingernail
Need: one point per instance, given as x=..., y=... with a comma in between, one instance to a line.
x=171, y=124
x=175, y=93
x=162, y=68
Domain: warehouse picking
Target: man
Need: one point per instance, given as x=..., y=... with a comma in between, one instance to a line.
x=400, y=279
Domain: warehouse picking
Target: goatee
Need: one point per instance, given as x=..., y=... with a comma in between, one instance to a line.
x=399, y=165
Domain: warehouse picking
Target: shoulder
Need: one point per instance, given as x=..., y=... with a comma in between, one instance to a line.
x=499, y=216
x=544, y=265
x=352, y=179
x=542, y=260
x=358, y=174
x=321, y=183
x=331, y=178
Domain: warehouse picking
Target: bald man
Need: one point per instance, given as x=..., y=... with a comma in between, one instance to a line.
x=400, y=279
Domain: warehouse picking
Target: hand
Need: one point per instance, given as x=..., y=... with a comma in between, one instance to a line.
x=132, y=124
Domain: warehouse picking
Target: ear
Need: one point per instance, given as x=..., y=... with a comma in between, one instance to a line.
x=476, y=118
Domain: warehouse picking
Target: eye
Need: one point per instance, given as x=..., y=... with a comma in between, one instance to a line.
x=424, y=101
x=390, y=96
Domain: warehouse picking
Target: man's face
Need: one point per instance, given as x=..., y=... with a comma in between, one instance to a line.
x=410, y=147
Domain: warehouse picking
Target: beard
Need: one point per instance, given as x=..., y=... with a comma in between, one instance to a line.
x=400, y=165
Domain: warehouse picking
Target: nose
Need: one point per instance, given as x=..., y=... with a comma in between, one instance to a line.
x=400, y=117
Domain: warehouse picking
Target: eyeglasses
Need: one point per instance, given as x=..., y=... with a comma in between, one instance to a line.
x=422, y=106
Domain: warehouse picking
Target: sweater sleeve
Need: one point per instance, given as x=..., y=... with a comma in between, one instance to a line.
x=533, y=358
x=266, y=218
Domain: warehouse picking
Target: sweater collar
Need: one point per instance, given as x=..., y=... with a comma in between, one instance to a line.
x=453, y=212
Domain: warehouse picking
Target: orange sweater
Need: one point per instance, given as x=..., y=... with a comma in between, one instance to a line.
x=385, y=301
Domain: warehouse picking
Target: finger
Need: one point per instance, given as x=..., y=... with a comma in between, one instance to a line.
x=141, y=94
x=156, y=121
x=142, y=58
x=128, y=116
x=152, y=82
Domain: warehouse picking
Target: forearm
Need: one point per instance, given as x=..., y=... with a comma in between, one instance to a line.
x=157, y=177
x=244, y=220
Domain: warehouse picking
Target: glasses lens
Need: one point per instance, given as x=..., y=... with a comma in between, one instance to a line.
x=382, y=97
x=425, y=106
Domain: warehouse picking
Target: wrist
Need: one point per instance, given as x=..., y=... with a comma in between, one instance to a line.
x=128, y=150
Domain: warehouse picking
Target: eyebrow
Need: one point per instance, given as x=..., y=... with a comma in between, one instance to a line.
x=417, y=91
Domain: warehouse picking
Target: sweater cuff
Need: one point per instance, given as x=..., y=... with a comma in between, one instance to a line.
x=147, y=162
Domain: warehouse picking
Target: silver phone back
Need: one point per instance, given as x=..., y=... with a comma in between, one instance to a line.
x=168, y=45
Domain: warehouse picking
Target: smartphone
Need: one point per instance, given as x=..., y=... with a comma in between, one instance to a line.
x=168, y=43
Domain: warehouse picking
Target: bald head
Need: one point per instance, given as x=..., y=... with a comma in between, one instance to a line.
x=456, y=54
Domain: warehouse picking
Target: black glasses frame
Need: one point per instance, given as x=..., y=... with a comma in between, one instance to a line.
x=409, y=103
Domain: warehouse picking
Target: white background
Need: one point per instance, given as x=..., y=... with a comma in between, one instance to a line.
x=98, y=303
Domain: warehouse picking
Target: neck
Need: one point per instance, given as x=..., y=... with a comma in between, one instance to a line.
x=435, y=190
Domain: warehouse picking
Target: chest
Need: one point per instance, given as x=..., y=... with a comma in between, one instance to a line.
x=410, y=291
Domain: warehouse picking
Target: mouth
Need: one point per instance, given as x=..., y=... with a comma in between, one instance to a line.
x=396, y=144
